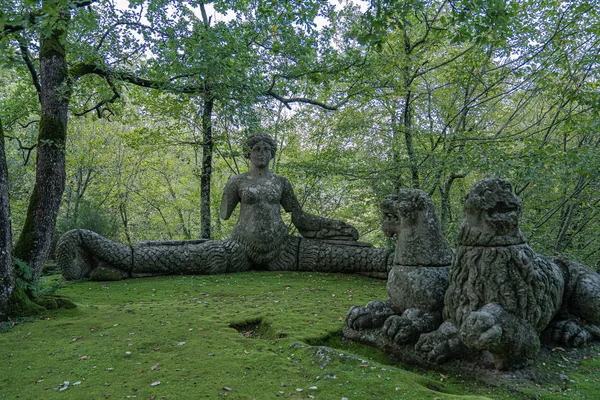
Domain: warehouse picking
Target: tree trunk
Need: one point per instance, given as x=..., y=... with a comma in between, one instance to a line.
x=408, y=115
x=207, y=155
x=33, y=244
x=445, y=190
x=7, y=278
x=567, y=214
x=407, y=122
x=397, y=174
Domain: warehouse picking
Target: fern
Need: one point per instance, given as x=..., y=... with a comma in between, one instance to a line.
x=24, y=278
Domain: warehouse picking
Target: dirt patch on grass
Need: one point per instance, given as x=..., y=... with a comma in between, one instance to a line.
x=257, y=329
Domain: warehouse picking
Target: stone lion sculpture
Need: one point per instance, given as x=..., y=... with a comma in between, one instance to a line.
x=417, y=280
x=502, y=298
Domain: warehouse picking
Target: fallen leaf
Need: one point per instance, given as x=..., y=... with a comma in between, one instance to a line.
x=155, y=383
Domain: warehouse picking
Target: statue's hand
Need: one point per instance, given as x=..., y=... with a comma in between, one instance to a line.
x=332, y=229
x=341, y=228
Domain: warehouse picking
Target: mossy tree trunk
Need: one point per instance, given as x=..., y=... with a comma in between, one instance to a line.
x=33, y=245
x=7, y=279
x=205, y=178
x=207, y=149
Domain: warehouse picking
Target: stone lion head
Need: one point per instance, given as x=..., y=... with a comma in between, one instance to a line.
x=491, y=215
x=410, y=214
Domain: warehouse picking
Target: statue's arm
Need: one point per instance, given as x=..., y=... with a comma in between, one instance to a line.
x=230, y=198
x=313, y=226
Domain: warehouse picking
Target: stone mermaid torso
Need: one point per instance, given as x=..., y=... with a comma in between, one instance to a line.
x=260, y=228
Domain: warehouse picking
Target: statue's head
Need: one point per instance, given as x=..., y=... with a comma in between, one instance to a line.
x=410, y=214
x=491, y=215
x=257, y=138
x=402, y=208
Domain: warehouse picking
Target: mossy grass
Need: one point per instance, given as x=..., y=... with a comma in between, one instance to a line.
x=254, y=335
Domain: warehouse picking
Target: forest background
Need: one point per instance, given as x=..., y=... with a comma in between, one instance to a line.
x=129, y=120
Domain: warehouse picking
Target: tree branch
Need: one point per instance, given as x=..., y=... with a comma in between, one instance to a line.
x=98, y=107
x=26, y=150
x=32, y=71
x=81, y=69
x=288, y=101
x=35, y=121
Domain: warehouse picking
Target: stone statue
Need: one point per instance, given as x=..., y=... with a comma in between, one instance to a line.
x=417, y=279
x=502, y=297
x=259, y=239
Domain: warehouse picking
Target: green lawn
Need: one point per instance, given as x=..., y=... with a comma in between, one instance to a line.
x=176, y=338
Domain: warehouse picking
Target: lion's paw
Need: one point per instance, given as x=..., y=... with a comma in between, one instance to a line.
x=407, y=327
x=400, y=329
x=568, y=332
x=440, y=345
x=370, y=317
x=481, y=330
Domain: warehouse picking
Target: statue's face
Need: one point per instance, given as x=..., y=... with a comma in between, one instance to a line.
x=260, y=154
x=494, y=211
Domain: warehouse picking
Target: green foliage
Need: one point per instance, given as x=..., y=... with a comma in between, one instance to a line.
x=24, y=279
x=89, y=217
x=467, y=21
x=33, y=289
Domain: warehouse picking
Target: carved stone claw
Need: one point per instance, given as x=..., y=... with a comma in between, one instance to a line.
x=481, y=330
x=400, y=329
x=370, y=317
x=442, y=344
x=568, y=332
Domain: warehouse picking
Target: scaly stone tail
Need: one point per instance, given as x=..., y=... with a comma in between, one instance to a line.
x=79, y=251
x=326, y=256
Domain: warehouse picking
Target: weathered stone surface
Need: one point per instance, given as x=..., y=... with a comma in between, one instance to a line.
x=501, y=299
x=259, y=239
x=410, y=215
x=422, y=287
x=491, y=215
x=416, y=282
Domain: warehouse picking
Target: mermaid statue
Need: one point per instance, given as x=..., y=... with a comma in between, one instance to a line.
x=259, y=240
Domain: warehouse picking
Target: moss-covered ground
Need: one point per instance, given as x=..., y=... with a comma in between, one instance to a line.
x=255, y=335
